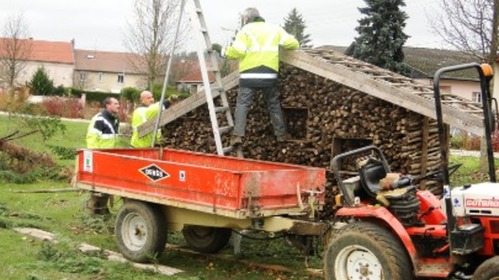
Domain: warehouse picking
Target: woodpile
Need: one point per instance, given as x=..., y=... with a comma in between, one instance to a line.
x=324, y=119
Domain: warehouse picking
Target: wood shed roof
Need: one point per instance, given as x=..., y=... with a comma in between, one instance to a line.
x=364, y=77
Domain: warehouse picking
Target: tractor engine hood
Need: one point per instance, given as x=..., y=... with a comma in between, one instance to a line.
x=476, y=200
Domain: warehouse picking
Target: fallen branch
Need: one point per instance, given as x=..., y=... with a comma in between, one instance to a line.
x=48, y=190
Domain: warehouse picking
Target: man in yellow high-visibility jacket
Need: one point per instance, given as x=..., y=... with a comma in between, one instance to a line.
x=257, y=48
x=102, y=133
x=146, y=111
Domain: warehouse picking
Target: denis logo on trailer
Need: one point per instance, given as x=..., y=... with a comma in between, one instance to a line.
x=154, y=173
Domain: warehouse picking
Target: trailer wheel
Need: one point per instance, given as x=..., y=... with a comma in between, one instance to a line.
x=206, y=239
x=140, y=231
x=366, y=251
x=488, y=270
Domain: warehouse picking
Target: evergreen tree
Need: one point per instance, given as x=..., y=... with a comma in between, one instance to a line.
x=295, y=25
x=381, y=36
x=40, y=83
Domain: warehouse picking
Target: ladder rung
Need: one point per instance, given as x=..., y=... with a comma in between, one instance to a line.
x=219, y=89
x=221, y=109
x=212, y=69
x=225, y=129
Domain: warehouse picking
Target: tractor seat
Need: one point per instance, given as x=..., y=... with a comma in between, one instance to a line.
x=370, y=174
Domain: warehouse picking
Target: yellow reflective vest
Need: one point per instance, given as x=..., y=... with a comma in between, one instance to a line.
x=102, y=131
x=257, y=48
x=141, y=115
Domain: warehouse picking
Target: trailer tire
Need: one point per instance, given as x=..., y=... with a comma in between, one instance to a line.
x=363, y=250
x=140, y=231
x=206, y=239
x=488, y=270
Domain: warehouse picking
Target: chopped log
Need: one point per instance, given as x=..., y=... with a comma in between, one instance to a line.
x=319, y=111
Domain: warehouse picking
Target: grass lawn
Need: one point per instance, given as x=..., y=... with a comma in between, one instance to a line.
x=62, y=214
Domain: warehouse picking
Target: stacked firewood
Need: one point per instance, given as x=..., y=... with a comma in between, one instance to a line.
x=319, y=112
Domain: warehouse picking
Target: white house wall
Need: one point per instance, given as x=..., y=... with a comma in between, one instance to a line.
x=61, y=74
x=108, y=82
x=464, y=89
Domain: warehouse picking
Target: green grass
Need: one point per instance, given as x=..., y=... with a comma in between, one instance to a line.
x=62, y=214
x=469, y=172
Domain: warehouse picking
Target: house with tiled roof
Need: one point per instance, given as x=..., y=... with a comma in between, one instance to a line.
x=189, y=77
x=106, y=71
x=56, y=57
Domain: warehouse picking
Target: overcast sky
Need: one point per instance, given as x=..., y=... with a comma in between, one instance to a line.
x=101, y=24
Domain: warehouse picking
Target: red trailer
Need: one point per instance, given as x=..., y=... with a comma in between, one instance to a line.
x=205, y=196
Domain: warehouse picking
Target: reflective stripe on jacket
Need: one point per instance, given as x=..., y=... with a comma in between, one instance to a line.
x=257, y=48
x=102, y=131
x=141, y=115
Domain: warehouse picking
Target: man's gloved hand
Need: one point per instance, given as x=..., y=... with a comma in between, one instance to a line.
x=166, y=104
x=219, y=49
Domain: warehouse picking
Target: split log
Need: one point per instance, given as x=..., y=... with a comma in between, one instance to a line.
x=320, y=112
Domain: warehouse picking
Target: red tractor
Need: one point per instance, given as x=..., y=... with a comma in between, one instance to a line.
x=391, y=230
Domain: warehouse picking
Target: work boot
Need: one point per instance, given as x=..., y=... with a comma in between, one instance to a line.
x=97, y=204
x=284, y=138
x=236, y=140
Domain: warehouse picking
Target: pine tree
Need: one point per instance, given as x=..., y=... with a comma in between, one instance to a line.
x=40, y=83
x=295, y=25
x=381, y=35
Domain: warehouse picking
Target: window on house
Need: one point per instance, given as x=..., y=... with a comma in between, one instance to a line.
x=101, y=77
x=121, y=78
x=83, y=76
x=476, y=96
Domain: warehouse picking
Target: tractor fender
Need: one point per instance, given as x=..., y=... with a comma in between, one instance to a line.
x=382, y=215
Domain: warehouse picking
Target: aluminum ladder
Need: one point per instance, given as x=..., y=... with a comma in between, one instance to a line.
x=205, y=47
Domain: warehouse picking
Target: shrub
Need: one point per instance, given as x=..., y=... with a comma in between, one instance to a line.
x=63, y=107
x=130, y=94
x=91, y=96
x=157, y=88
x=59, y=91
x=495, y=141
x=40, y=83
x=465, y=141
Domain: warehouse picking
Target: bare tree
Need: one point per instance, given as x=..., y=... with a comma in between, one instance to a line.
x=151, y=36
x=469, y=26
x=15, y=49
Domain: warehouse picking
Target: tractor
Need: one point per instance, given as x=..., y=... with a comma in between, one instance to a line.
x=390, y=229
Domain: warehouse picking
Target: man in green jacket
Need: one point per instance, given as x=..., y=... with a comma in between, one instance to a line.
x=102, y=133
x=146, y=111
x=256, y=46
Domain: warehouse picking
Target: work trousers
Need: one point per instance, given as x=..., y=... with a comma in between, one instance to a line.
x=271, y=97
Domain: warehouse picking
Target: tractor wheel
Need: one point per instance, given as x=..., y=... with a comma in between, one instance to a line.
x=364, y=251
x=488, y=270
x=140, y=231
x=206, y=239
